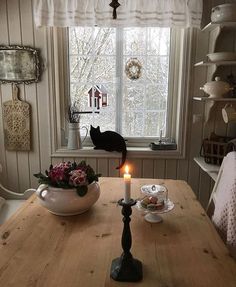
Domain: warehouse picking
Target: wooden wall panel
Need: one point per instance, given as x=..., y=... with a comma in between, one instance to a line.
x=182, y=170
x=171, y=169
x=14, y=36
x=102, y=166
x=148, y=168
x=113, y=163
x=159, y=168
x=135, y=167
x=42, y=147
x=93, y=163
x=4, y=39
x=196, y=108
x=26, y=27
x=204, y=188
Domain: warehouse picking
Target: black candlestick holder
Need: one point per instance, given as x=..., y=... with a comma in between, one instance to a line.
x=125, y=268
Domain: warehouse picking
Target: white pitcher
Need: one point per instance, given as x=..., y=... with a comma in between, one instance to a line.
x=74, y=138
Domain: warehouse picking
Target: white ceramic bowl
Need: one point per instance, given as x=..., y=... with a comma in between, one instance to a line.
x=67, y=202
x=224, y=13
x=222, y=56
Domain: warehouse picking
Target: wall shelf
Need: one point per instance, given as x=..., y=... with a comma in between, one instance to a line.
x=203, y=99
x=211, y=26
x=210, y=103
x=218, y=63
x=211, y=169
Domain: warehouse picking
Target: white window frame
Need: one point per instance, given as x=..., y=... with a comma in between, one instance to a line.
x=59, y=90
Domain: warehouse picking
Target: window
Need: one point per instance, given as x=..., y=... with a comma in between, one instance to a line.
x=121, y=77
x=90, y=72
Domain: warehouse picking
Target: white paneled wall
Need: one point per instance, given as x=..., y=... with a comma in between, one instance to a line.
x=16, y=27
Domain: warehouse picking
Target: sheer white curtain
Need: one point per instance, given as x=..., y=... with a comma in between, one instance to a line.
x=161, y=13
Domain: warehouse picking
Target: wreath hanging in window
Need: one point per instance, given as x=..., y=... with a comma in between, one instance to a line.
x=133, y=69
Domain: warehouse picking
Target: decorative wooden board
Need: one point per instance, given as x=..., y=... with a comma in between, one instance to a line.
x=16, y=121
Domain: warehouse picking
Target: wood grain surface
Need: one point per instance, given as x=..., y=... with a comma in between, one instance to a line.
x=44, y=250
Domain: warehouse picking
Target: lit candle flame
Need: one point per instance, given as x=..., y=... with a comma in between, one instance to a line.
x=126, y=169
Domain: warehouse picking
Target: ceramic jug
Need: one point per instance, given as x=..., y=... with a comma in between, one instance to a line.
x=74, y=138
x=217, y=88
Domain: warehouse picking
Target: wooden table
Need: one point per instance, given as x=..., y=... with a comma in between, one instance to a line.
x=44, y=250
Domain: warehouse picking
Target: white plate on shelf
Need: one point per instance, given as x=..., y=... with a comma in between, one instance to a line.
x=222, y=56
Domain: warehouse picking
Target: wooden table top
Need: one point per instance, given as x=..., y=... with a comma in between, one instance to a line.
x=44, y=250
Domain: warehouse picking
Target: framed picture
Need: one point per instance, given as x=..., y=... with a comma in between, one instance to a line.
x=19, y=64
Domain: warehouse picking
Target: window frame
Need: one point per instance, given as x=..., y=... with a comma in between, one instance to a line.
x=57, y=57
x=132, y=140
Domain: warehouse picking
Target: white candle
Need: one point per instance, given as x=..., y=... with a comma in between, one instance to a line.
x=127, y=181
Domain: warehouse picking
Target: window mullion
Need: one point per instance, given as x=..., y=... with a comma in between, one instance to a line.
x=144, y=109
x=119, y=78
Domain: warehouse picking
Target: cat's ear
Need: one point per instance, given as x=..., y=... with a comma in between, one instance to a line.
x=91, y=127
x=98, y=128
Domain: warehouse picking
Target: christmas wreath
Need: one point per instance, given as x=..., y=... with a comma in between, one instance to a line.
x=133, y=69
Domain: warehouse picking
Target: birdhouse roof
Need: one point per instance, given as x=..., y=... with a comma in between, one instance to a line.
x=100, y=88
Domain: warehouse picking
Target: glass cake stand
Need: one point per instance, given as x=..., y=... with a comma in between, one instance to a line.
x=161, y=193
x=154, y=216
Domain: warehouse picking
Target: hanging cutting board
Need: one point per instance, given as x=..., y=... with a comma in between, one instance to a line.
x=16, y=122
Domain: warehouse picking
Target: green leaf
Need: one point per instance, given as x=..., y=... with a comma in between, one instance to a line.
x=82, y=190
x=40, y=176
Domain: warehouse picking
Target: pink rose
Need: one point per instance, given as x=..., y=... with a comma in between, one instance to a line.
x=78, y=177
x=58, y=172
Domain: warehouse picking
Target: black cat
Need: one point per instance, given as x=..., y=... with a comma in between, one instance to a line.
x=109, y=141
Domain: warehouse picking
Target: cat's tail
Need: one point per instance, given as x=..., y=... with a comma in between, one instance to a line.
x=124, y=152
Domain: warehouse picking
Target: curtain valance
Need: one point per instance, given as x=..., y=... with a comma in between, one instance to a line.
x=162, y=13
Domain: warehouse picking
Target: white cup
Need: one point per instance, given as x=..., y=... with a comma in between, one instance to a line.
x=229, y=113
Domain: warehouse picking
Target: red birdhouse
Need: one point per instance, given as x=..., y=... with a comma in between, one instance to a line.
x=99, y=94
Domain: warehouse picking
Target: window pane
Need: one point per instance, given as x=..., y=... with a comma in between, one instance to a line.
x=158, y=41
x=99, y=82
x=145, y=99
x=134, y=126
x=134, y=41
x=104, y=69
x=92, y=75
x=157, y=69
x=80, y=40
x=104, y=41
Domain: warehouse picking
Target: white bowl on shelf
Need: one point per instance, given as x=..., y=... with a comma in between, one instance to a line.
x=222, y=56
x=224, y=13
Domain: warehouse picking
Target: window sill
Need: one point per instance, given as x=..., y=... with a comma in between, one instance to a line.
x=132, y=152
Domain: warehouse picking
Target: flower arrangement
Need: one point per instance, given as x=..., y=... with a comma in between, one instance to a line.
x=69, y=175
